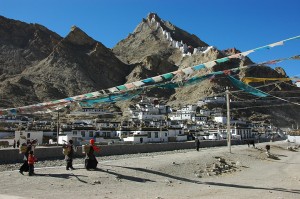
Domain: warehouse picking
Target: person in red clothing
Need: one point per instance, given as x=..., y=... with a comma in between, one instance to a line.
x=29, y=146
x=31, y=160
x=90, y=159
x=24, y=167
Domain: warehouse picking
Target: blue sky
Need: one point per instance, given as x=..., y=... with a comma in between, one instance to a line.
x=243, y=24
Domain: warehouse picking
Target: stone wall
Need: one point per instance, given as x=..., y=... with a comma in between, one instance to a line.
x=10, y=155
x=295, y=139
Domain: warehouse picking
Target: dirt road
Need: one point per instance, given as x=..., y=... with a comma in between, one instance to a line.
x=209, y=173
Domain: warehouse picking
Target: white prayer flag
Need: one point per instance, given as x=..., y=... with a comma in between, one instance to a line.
x=113, y=89
x=210, y=64
x=188, y=71
x=157, y=78
x=247, y=52
x=280, y=43
x=138, y=83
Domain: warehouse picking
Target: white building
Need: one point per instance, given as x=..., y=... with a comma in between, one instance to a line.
x=205, y=112
x=181, y=115
x=146, y=135
x=187, y=112
x=149, y=109
x=220, y=119
x=244, y=132
x=84, y=135
x=23, y=136
x=216, y=99
x=200, y=119
x=107, y=124
x=90, y=111
x=150, y=116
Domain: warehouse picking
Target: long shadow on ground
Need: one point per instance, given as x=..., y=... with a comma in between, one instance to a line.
x=297, y=191
x=65, y=176
x=121, y=176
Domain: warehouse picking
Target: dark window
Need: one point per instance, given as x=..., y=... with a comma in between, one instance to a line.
x=91, y=133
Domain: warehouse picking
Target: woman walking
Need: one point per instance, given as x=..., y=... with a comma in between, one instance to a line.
x=90, y=159
x=69, y=155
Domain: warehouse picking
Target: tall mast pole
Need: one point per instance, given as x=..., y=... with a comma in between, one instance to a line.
x=228, y=120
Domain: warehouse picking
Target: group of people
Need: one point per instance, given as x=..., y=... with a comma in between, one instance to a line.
x=29, y=158
x=90, y=159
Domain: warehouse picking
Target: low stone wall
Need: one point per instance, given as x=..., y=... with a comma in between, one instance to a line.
x=10, y=155
x=295, y=139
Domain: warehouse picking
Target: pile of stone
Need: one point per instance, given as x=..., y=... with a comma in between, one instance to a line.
x=292, y=148
x=221, y=166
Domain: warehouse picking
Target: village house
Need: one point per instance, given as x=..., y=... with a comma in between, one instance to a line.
x=185, y=113
x=208, y=100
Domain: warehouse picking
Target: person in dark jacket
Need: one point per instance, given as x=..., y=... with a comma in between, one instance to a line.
x=25, y=167
x=70, y=155
x=90, y=159
x=197, y=144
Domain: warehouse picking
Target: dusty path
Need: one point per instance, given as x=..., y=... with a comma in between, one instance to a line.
x=247, y=173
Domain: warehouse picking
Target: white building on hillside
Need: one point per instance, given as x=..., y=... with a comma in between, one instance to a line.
x=220, y=119
x=187, y=112
x=208, y=100
x=149, y=109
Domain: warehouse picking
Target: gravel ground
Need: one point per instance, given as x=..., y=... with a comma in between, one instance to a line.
x=247, y=172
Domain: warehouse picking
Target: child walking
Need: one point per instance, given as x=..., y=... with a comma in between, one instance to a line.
x=31, y=160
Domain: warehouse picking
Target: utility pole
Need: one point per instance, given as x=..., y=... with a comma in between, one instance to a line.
x=57, y=132
x=228, y=120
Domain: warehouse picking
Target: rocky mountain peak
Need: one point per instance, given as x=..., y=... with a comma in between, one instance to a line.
x=79, y=37
x=157, y=37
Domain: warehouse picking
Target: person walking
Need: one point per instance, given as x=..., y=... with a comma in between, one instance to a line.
x=197, y=144
x=31, y=160
x=69, y=155
x=90, y=159
x=25, y=149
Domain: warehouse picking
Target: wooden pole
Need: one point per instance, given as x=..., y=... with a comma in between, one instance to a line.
x=228, y=120
x=57, y=129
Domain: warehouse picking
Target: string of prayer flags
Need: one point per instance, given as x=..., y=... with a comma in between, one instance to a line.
x=248, y=80
x=247, y=88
